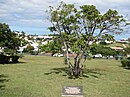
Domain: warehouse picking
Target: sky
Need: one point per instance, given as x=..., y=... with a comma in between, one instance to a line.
x=30, y=16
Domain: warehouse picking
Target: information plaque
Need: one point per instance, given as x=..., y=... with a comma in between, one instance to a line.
x=72, y=91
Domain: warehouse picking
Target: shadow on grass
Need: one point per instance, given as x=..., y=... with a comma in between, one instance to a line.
x=12, y=63
x=92, y=72
x=127, y=68
x=62, y=71
x=3, y=79
x=86, y=72
x=18, y=63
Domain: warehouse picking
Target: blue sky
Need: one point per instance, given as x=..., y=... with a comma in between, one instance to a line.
x=29, y=15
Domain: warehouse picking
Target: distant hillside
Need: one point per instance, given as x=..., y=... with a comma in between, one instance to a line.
x=122, y=45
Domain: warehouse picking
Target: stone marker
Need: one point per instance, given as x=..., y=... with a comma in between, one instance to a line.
x=73, y=91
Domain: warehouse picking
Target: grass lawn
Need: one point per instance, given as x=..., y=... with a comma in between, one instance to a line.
x=42, y=76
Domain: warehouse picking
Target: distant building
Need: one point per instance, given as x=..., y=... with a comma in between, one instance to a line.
x=123, y=40
x=34, y=40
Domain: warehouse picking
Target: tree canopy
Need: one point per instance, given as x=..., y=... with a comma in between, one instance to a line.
x=77, y=27
x=53, y=47
x=9, y=39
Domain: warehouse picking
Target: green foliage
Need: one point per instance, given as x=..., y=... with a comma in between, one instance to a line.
x=8, y=51
x=125, y=62
x=127, y=50
x=9, y=39
x=28, y=49
x=54, y=46
x=5, y=59
x=77, y=28
x=116, y=57
x=101, y=49
x=15, y=58
x=103, y=43
x=108, y=37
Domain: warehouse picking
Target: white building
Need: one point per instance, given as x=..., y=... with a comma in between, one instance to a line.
x=32, y=40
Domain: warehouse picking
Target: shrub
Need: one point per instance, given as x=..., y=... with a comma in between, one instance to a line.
x=125, y=62
x=121, y=58
x=128, y=64
x=1, y=59
x=34, y=52
x=15, y=58
x=29, y=49
x=116, y=57
x=4, y=59
x=128, y=58
x=8, y=51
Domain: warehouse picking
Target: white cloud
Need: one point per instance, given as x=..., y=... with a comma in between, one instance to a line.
x=31, y=13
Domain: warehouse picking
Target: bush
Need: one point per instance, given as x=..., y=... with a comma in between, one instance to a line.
x=29, y=49
x=128, y=64
x=128, y=58
x=125, y=62
x=1, y=58
x=116, y=57
x=15, y=58
x=34, y=52
x=4, y=59
x=8, y=51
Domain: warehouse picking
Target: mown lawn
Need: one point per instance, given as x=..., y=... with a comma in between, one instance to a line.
x=42, y=76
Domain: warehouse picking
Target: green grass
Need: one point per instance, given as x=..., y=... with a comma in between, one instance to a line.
x=40, y=76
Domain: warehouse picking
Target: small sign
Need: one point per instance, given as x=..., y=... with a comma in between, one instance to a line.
x=73, y=91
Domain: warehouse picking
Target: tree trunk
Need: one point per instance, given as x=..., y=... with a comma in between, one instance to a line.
x=75, y=70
